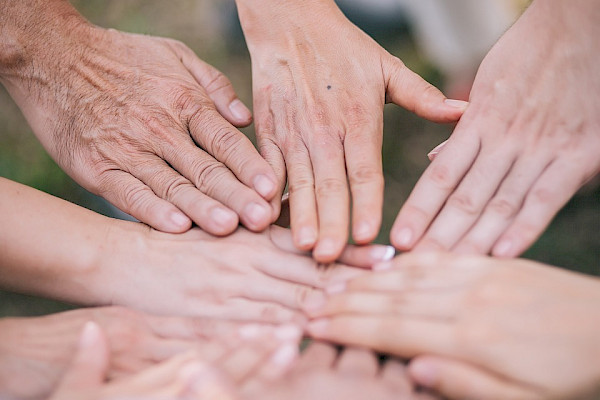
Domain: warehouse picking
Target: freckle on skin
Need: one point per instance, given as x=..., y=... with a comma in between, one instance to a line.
x=328, y=87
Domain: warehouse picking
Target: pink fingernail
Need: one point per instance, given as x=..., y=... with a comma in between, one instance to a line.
x=383, y=253
x=240, y=111
x=288, y=333
x=179, y=219
x=404, y=237
x=433, y=153
x=503, y=248
x=256, y=213
x=325, y=248
x=424, y=373
x=223, y=217
x=264, y=186
x=457, y=103
x=363, y=231
x=285, y=355
x=307, y=237
x=249, y=332
x=318, y=327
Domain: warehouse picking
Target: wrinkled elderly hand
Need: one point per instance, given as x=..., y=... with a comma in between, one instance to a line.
x=478, y=328
x=35, y=352
x=320, y=85
x=528, y=141
x=138, y=120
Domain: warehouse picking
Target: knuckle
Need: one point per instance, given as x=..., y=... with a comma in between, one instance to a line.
x=216, y=82
x=504, y=207
x=136, y=197
x=208, y=175
x=173, y=188
x=365, y=174
x=301, y=184
x=301, y=293
x=465, y=203
x=329, y=187
x=441, y=176
x=224, y=141
x=543, y=195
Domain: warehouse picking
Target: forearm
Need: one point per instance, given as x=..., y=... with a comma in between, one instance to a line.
x=52, y=248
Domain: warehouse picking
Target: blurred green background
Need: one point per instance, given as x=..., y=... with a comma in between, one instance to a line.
x=211, y=29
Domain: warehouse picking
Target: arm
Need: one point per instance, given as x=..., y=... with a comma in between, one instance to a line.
x=528, y=141
x=320, y=85
x=56, y=249
x=136, y=119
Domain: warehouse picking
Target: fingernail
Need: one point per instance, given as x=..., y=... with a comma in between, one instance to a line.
x=336, y=288
x=326, y=248
x=239, y=110
x=404, y=238
x=314, y=301
x=424, y=373
x=318, y=327
x=457, y=103
x=503, y=248
x=287, y=333
x=433, y=153
x=264, y=186
x=223, y=217
x=249, y=332
x=307, y=237
x=89, y=335
x=383, y=253
x=384, y=266
x=285, y=355
x=256, y=213
x=179, y=219
x=363, y=232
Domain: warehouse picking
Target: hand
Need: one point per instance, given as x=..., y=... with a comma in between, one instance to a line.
x=144, y=123
x=528, y=141
x=35, y=352
x=322, y=374
x=184, y=377
x=478, y=327
x=245, y=276
x=320, y=85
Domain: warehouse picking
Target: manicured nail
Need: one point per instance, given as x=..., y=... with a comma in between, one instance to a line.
x=384, y=266
x=285, y=355
x=89, y=335
x=457, y=103
x=424, y=373
x=288, y=333
x=326, y=248
x=240, y=111
x=179, y=219
x=307, y=237
x=314, y=301
x=249, y=332
x=264, y=186
x=503, y=248
x=318, y=327
x=363, y=232
x=383, y=253
x=433, y=153
x=223, y=217
x=256, y=213
x=336, y=288
x=404, y=238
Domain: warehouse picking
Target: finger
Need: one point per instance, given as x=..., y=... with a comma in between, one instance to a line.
x=395, y=374
x=209, y=214
x=189, y=328
x=131, y=196
x=458, y=380
x=429, y=195
x=218, y=87
x=318, y=356
x=408, y=90
x=547, y=196
x=357, y=362
x=303, y=208
x=241, y=309
x=231, y=147
x=276, y=291
x=464, y=206
x=215, y=180
x=437, y=150
x=504, y=206
x=365, y=175
x=333, y=203
x=90, y=364
x=272, y=154
x=403, y=337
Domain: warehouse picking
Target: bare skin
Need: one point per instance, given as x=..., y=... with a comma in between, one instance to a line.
x=136, y=119
x=527, y=142
x=184, y=377
x=475, y=327
x=102, y=261
x=35, y=352
x=322, y=374
x=320, y=85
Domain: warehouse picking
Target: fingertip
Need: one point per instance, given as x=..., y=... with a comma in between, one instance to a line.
x=240, y=113
x=327, y=250
x=424, y=373
x=179, y=222
x=402, y=238
x=265, y=186
x=363, y=232
x=454, y=105
x=257, y=216
x=305, y=238
x=224, y=221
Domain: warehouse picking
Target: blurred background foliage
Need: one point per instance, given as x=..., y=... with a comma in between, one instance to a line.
x=211, y=29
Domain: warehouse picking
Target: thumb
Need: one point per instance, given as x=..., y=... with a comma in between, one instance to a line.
x=408, y=90
x=89, y=366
